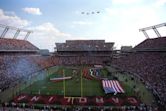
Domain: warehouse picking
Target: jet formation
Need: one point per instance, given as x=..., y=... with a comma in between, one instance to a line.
x=88, y=13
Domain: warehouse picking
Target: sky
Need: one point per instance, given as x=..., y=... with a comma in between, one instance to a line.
x=54, y=21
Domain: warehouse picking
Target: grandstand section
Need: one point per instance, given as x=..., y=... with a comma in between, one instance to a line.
x=147, y=62
x=84, y=46
x=14, y=45
x=84, y=52
x=153, y=44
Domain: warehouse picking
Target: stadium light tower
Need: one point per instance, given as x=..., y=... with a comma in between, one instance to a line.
x=16, y=34
x=4, y=31
x=18, y=30
x=26, y=36
x=154, y=27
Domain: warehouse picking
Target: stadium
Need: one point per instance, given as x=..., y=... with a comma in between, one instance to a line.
x=83, y=75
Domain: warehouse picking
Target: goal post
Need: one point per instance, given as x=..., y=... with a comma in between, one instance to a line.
x=73, y=88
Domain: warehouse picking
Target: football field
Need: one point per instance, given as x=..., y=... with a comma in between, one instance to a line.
x=78, y=86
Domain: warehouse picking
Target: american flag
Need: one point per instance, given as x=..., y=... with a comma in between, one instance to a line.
x=112, y=86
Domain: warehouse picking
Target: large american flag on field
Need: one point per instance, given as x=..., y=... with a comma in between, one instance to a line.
x=112, y=86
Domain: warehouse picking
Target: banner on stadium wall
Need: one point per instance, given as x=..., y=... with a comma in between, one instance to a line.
x=82, y=101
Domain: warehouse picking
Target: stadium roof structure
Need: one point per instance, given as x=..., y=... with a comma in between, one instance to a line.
x=85, y=45
x=154, y=27
x=18, y=30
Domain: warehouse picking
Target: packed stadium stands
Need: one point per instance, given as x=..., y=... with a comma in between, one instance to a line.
x=84, y=52
x=19, y=59
x=84, y=45
x=142, y=107
x=16, y=45
x=152, y=44
x=148, y=62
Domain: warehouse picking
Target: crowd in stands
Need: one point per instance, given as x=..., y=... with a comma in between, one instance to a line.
x=148, y=65
x=155, y=43
x=151, y=66
x=14, y=69
x=15, y=63
x=14, y=44
x=84, y=45
x=81, y=60
x=82, y=52
x=141, y=107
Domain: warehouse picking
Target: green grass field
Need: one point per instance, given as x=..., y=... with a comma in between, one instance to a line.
x=79, y=86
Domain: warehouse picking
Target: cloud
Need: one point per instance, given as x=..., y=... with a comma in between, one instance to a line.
x=9, y=18
x=9, y=13
x=124, y=23
x=34, y=11
x=160, y=2
x=136, y=15
x=49, y=28
x=46, y=35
